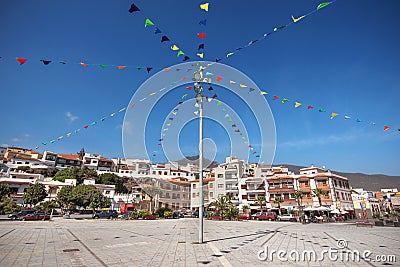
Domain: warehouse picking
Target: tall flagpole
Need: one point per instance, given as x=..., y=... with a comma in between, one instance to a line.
x=199, y=100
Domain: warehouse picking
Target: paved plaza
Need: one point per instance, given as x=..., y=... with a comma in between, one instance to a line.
x=64, y=242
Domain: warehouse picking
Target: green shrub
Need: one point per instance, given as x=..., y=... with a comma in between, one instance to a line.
x=135, y=215
x=161, y=212
x=143, y=213
x=168, y=214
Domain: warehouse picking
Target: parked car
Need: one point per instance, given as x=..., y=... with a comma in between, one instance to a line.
x=177, y=215
x=16, y=216
x=287, y=217
x=264, y=216
x=244, y=216
x=35, y=216
x=109, y=214
x=196, y=214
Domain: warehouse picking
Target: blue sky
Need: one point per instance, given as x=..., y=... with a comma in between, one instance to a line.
x=343, y=58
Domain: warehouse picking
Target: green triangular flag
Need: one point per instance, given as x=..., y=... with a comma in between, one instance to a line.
x=322, y=110
x=324, y=4
x=219, y=103
x=139, y=68
x=148, y=23
x=285, y=100
x=103, y=66
x=180, y=53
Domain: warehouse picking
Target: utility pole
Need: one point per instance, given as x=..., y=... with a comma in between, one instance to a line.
x=198, y=87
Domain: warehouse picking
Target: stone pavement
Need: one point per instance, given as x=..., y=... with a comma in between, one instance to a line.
x=173, y=243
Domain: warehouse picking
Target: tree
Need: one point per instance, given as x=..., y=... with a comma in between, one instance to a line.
x=35, y=194
x=221, y=204
x=81, y=195
x=75, y=173
x=9, y=206
x=99, y=201
x=229, y=197
x=47, y=206
x=298, y=196
x=319, y=193
x=260, y=200
x=278, y=200
x=112, y=179
x=64, y=197
x=245, y=208
x=4, y=191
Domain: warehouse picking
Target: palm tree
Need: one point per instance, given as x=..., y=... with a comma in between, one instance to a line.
x=221, y=204
x=245, y=208
x=319, y=192
x=298, y=196
x=260, y=200
x=229, y=197
x=278, y=200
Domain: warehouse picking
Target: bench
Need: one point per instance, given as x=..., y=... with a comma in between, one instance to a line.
x=366, y=223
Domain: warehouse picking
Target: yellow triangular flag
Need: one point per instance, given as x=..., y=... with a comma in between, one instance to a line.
x=205, y=6
x=175, y=48
x=296, y=20
x=263, y=93
x=200, y=55
x=297, y=104
x=174, y=113
x=168, y=124
x=334, y=115
x=232, y=82
x=242, y=85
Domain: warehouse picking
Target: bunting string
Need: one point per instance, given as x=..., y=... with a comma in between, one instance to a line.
x=202, y=35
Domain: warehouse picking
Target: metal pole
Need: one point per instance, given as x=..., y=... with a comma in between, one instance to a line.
x=199, y=99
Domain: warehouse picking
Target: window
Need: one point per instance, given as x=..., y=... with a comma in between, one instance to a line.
x=211, y=194
x=193, y=195
x=220, y=186
x=165, y=173
x=220, y=175
x=194, y=186
x=211, y=185
x=107, y=192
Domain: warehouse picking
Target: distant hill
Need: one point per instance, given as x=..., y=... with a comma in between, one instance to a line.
x=206, y=162
x=372, y=182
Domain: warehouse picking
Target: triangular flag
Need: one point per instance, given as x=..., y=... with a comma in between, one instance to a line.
x=133, y=8
x=229, y=120
x=86, y=126
x=279, y=28
x=200, y=55
x=186, y=58
x=59, y=138
x=83, y=64
x=310, y=107
x=296, y=20
x=347, y=117
x=385, y=128
x=157, y=30
x=189, y=88
x=184, y=96
x=103, y=66
x=275, y=97
x=322, y=5
x=139, y=67
x=219, y=78
x=21, y=60
x=149, y=69
x=204, y=6
x=214, y=96
x=168, y=124
x=46, y=62
x=210, y=88
x=201, y=46
x=232, y=82
x=263, y=93
x=322, y=110
x=203, y=22
x=201, y=35
x=148, y=22
x=121, y=67
x=284, y=100
x=358, y=120
x=242, y=85
x=164, y=38
x=297, y=104
x=122, y=109
x=219, y=103
x=132, y=105
x=175, y=48
x=333, y=115
x=180, y=53
x=229, y=54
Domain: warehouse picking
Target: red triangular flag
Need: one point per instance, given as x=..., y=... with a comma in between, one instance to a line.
x=219, y=78
x=189, y=88
x=201, y=35
x=310, y=107
x=275, y=97
x=21, y=60
x=86, y=126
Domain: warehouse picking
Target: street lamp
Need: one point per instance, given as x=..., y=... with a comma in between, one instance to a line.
x=198, y=87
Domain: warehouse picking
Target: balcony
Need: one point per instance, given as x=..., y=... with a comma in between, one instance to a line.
x=305, y=188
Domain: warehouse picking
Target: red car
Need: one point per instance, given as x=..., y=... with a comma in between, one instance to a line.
x=34, y=217
x=244, y=216
x=269, y=216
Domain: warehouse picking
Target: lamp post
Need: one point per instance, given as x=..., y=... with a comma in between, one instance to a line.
x=198, y=87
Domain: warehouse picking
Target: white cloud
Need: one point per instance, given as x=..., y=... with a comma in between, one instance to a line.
x=5, y=145
x=20, y=139
x=71, y=117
